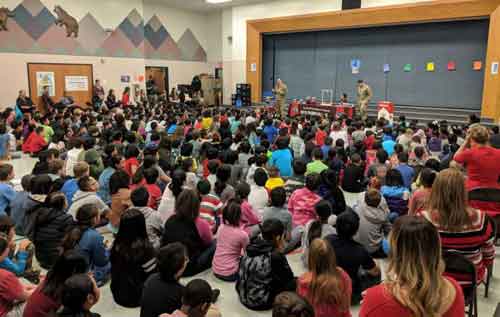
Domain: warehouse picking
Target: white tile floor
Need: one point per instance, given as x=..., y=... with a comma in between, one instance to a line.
x=228, y=301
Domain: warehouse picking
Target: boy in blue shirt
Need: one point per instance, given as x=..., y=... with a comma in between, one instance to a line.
x=7, y=192
x=406, y=171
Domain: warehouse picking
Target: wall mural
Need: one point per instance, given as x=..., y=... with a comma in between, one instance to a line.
x=32, y=28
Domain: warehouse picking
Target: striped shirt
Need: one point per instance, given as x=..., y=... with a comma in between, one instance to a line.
x=210, y=208
x=476, y=243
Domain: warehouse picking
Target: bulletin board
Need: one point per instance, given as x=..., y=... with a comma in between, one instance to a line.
x=76, y=79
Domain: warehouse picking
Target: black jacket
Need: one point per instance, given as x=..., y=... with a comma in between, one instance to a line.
x=160, y=296
x=282, y=275
x=48, y=227
x=128, y=277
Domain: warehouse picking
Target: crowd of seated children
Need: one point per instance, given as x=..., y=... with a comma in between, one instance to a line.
x=185, y=188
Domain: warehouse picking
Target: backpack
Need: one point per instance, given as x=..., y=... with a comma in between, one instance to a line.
x=254, y=283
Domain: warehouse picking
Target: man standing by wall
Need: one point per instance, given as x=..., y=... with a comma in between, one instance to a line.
x=364, y=96
x=280, y=91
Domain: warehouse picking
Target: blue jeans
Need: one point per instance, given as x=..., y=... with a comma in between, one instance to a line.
x=393, y=216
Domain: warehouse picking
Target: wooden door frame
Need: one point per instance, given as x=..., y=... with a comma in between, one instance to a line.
x=91, y=84
x=167, y=76
x=415, y=13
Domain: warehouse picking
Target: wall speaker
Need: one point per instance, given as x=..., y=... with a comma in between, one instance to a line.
x=351, y=4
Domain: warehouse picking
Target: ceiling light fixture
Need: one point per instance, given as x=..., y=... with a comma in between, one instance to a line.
x=217, y=1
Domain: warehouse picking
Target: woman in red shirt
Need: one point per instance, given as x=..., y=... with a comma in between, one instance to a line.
x=327, y=287
x=415, y=285
x=47, y=297
x=131, y=163
x=126, y=97
x=480, y=159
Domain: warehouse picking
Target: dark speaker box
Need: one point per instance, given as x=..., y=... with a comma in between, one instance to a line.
x=351, y=4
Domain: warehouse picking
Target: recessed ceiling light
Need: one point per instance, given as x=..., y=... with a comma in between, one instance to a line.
x=217, y=1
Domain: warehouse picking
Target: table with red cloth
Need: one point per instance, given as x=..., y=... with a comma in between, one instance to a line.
x=318, y=109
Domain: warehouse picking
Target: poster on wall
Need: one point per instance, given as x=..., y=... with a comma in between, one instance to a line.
x=477, y=65
x=355, y=66
x=76, y=83
x=45, y=79
x=387, y=68
x=452, y=66
x=494, y=68
x=125, y=79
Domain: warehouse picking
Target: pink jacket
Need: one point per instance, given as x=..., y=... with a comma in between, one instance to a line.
x=301, y=206
x=248, y=217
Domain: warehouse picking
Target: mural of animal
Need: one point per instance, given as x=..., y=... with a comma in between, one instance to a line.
x=5, y=14
x=66, y=20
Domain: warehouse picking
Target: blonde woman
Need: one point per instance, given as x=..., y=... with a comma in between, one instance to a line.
x=415, y=285
x=479, y=158
x=462, y=228
x=327, y=287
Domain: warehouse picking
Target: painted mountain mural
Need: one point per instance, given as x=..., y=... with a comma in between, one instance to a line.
x=191, y=49
x=159, y=44
x=33, y=30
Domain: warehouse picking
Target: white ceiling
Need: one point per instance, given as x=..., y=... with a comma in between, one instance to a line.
x=202, y=6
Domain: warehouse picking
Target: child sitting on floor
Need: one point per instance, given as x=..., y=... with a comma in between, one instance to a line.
x=231, y=241
x=274, y=179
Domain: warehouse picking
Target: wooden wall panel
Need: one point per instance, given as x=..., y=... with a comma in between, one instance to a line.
x=60, y=72
x=491, y=92
x=432, y=11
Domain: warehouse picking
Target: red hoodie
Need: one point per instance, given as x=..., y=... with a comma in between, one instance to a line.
x=34, y=143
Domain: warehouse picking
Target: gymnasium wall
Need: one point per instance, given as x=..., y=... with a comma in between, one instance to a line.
x=235, y=19
x=118, y=37
x=309, y=62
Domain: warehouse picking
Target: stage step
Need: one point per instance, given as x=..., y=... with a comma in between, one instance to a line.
x=425, y=115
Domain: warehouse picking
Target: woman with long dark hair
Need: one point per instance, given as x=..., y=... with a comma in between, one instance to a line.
x=47, y=297
x=133, y=256
x=187, y=227
x=89, y=242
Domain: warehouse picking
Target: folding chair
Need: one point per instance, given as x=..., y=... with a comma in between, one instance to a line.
x=488, y=200
x=464, y=271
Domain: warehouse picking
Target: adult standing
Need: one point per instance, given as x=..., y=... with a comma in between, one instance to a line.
x=364, y=96
x=47, y=102
x=280, y=91
x=126, y=97
x=98, y=94
x=480, y=159
x=24, y=103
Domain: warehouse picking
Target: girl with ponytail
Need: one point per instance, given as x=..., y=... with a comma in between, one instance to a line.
x=89, y=242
